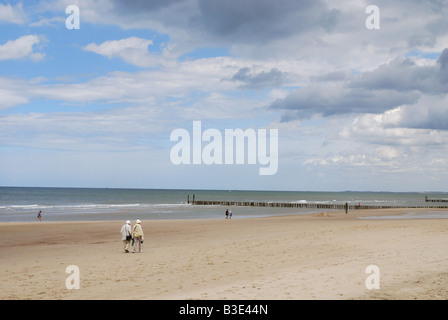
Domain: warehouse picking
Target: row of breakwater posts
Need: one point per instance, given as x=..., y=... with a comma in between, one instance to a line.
x=435, y=200
x=304, y=205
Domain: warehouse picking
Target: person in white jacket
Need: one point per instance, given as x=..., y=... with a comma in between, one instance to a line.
x=126, y=235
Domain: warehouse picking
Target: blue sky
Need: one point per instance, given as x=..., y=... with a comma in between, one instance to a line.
x=356, y=109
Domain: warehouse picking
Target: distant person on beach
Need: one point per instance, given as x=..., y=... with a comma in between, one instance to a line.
x=137, y=235
x=227, y=213
x=126, y=235
x=230, y=214
x=39, y=216
x=346, y=208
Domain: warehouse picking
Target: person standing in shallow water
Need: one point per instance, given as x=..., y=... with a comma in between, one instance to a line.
x=138, y=236
x=39, y=216
x=346, y=208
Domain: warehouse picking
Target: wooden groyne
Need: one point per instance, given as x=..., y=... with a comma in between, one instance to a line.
x=435, y=200
x=305, y=205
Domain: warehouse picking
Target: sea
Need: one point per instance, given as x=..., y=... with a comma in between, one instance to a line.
x=21, y=204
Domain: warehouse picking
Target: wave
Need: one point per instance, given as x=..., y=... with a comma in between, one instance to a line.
x=89, y=206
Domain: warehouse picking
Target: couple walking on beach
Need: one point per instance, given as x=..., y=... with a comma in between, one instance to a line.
x=134, y=234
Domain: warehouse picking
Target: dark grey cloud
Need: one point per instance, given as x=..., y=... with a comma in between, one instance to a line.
x=287, y=28
x=141, y=6
x=234, y=21
x=261, y=80
x=400, y=82
x=443, y=61
x=405, y=75
x=430, y=112
x=435, y=118
x=263, y=20
x=309, y=101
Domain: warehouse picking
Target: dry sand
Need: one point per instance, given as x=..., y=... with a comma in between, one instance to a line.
x=291, y=257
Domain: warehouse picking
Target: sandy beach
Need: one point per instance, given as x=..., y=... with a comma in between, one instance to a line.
x=316, y=256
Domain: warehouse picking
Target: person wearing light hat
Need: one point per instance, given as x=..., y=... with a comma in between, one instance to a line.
x=126, y=235
x=137, y=235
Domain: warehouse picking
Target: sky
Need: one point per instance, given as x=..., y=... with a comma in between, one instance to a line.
x=359, y=98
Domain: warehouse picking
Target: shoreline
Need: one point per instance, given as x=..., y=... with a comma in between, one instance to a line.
x=286, y=257
x=361, y=213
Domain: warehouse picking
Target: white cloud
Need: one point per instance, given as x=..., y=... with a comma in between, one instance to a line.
x=11, y=99
x=12, y=93
x=21, y=48
x=188, y=81
x=132, y=50
x=12, y=14
x=108, y=130
x=48, y=22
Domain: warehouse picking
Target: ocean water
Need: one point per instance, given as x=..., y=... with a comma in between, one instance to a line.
x=98, y=204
